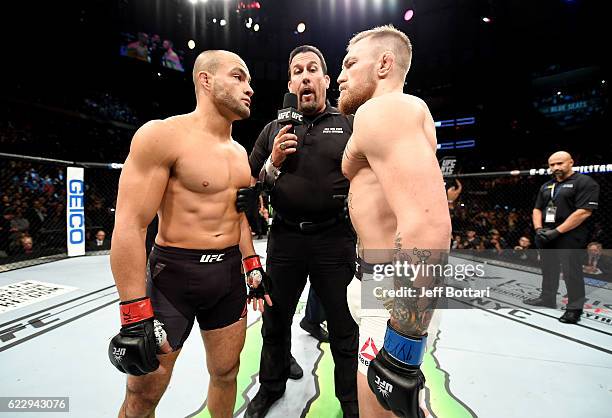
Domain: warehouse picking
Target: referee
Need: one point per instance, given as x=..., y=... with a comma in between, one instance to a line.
x=310, y=235
x=561, y=209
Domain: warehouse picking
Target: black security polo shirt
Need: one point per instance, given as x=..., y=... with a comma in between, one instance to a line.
x=578, y=191
x=312, y=175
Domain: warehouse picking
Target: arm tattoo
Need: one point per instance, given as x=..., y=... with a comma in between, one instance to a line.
x=412, y=315
x=351, y=155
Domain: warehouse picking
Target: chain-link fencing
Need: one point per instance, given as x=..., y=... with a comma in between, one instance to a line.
x=492, y=211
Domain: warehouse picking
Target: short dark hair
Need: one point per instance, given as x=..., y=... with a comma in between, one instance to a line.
x=307, y=48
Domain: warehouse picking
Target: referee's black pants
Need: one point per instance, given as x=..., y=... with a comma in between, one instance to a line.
x=328, y=257
x=565, y=254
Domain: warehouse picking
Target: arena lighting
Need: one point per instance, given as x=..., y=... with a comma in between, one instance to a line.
x=584, y=169
x=256, y=27
x=464, y=143
x=467, y=143
x=193, y=1
x=558, y=93
x=215, y=20
x=301, y=27
x=248, y=5
x=603, y=81
x=486, y=19
x=455, y=122
x=191, y=44
x=408, y=15
x=222, y=22
x=249, y=23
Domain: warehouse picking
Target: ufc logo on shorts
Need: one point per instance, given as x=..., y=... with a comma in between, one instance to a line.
x=383, y=387
x=211, y=258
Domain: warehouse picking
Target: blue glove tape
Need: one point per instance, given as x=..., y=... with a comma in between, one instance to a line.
x=405, y=349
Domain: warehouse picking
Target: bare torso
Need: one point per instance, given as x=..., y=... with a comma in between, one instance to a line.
x=198, y=206
x=371, y=215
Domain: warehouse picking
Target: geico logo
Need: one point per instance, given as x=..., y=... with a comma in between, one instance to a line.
x=76, y=211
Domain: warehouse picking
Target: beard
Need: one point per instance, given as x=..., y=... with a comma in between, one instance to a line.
x=311, y=107
x=223, y=99
x=350, y=100
x=559, y=173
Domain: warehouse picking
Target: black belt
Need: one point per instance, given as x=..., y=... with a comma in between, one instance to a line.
x=363, y=267
x=307, y=226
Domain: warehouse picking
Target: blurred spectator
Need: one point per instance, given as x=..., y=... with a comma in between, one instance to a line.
x=99, y=243
x=495, y=241
x=156, y=51
x=99, y=216
x=456, y=244
x=27, y=245
x=596, y=262
x=6, y=229
x=37, y=215
x=524, y=243
x=19, y=223
x=453, y=193
x=523, y=251
x=471, y=241
x=139, y=49
x=170, y=58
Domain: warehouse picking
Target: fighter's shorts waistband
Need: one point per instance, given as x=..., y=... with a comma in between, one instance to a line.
x=204, y=256
x=363, y=267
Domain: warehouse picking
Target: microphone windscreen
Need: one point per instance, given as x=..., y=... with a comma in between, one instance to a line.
x=290, y=100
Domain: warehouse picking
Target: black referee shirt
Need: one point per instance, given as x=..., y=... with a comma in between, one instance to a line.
x=578, y=191
x=312, y=175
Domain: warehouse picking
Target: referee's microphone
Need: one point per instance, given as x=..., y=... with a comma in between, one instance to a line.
x=289, y=115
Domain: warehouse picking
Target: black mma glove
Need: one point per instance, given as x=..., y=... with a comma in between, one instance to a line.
x=133, y=350
x=258, y=282
x=395, y=376
x=247, y=198
x=545, y=236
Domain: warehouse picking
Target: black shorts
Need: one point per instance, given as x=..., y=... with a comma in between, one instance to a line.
x=187, y=284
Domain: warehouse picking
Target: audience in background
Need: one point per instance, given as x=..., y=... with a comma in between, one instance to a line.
x=596, y=263
x=100, y=242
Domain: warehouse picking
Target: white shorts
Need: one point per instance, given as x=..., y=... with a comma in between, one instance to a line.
x=372, y=324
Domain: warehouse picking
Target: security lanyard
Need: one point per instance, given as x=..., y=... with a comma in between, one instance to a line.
x=552, y=192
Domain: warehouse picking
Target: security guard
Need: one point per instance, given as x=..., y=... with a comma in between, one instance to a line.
x=561, y=209
x=310, y=235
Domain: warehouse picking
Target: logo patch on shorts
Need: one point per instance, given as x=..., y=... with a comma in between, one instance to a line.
x=212, y=258
x=368, y=352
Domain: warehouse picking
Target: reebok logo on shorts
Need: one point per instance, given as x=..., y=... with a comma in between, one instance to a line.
x=212, y=258
x=368, y=352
